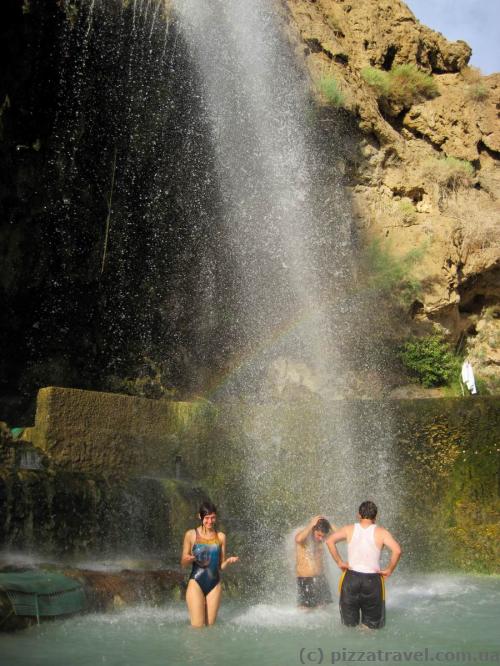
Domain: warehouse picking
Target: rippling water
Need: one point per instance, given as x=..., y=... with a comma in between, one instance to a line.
x=441, y=613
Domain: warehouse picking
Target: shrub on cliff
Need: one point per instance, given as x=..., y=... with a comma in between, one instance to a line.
x=403, y=85
x=477, y=224
x=476, y=89
x=478, y=92
x=377, y=79
x=450, y=173
x=431, y=360
x=331, y=91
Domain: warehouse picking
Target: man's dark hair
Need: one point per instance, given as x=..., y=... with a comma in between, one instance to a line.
x=323, y=526
x=368, y=510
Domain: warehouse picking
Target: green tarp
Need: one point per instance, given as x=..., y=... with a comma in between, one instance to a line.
x=42, y=593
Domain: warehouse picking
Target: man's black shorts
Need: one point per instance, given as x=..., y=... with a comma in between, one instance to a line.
x=362, y=596
x=313, y=591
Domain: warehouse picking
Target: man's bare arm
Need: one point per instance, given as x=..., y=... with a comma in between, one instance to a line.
x=333, y=539
x=301, y=537
x=390, y=542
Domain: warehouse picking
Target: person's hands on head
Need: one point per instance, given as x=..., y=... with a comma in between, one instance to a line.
x=315, y=520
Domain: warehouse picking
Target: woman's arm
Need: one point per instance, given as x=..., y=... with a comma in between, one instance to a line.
x=224, y=561
x=187, y=556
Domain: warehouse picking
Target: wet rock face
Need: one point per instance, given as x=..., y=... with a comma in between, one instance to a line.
x=120, y=436
x=106, y=591
x=425, y=177
x=94, y=130
x=112, y=475
x=27, y=108
x=65, y=514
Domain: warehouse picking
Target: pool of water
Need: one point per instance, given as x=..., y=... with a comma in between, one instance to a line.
x=444, y=615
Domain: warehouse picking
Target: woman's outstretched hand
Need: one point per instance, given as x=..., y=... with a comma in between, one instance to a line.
x=229, y=560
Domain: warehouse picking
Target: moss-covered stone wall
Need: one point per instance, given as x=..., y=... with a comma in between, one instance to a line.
x=71, y=515
x=119, y=435
x=448, y=454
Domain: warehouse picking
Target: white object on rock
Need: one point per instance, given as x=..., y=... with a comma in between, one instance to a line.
x=468, y=377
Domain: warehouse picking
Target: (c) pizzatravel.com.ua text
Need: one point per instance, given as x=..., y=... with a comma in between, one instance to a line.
x=317, y=655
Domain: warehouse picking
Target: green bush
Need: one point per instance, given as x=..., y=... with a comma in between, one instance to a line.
x=431, y=360
x=378, y=80
x=403, y=85
x=331, y=90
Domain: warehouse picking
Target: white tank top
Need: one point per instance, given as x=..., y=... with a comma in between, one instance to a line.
x=362, y=552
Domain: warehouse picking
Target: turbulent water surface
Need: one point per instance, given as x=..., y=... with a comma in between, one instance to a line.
x=449, y=616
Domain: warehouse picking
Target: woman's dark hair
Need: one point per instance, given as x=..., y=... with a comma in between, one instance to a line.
x=207, y=508
x=323, y=526
x=368, y=510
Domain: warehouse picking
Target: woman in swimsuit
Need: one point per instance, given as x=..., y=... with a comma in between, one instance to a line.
x=205, y=549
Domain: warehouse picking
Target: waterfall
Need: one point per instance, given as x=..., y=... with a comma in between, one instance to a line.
x=225, y=255
x=272, y=232
x=291, y=255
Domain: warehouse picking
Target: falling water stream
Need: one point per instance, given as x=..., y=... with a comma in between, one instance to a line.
x=292, y=257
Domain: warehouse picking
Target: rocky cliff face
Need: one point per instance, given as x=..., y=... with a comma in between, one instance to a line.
x=426, y=176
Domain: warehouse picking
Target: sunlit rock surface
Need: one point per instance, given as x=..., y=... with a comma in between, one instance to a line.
x=397, y=191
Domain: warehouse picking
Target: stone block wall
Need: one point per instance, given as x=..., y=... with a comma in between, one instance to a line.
x=118, y=435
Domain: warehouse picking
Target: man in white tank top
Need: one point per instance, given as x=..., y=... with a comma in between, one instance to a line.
x=362, y=591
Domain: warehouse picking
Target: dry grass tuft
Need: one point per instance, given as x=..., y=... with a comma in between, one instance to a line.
x=477, y=226
x=403, y=85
